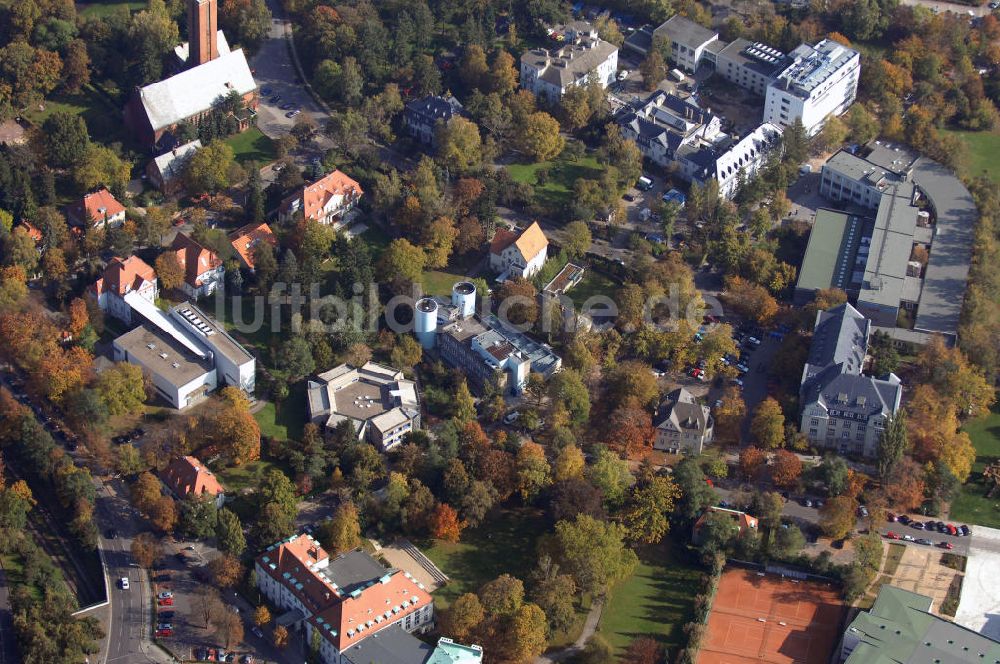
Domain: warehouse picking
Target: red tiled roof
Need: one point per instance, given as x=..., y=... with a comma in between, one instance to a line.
x=503, y=238
x=32, y=232
x=293, y=557
x=187, y=475
x=124, y=275
x=314, y=196
x=193, y=258
x=246, y=238
x=394, y=594
x=96, y=207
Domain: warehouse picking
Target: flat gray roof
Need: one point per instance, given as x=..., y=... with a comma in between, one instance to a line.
x=219, y=340
x=890, y=156
x=891, y=245
x=685, y=31
x=947, y=272
x=392, y=645
x=354, y=569
x=162, y=355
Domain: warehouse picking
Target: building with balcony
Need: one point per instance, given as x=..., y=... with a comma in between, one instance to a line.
x=328, y=200
x=583, y=58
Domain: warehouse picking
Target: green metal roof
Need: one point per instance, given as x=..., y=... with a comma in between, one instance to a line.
x=899, y=629
x=833, y=243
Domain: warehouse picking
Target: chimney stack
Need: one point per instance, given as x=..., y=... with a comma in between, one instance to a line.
x=203, y=27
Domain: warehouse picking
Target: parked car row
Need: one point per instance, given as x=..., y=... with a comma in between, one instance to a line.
x=930, y=526
x=918, y=540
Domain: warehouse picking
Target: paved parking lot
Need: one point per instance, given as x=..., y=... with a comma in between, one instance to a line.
x=920, y=571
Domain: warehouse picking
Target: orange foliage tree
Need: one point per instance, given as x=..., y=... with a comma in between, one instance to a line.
x=786, y=469
x=445, y=524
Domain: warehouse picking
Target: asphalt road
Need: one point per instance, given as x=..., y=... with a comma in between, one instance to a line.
x=955, y=7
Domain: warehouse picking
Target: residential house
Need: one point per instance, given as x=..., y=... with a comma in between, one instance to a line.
x=689, y=41
x=346, y=601
x=166, y=172
x=124, y=276
x=212, y=72
x=682, y=424
x=327, y=200
x=842, y=409
x=378, y=401
x=202, y=267
x=518, y=254
x=742, y=522
x=583, y=58
x=98, y=209
x=246, y=239
x=422, y=116
x=33, y=232
x=187, y=476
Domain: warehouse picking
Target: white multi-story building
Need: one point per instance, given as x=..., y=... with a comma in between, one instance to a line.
x=689, y=41
x=121, y=277
x=750, y=65
x=822, y=80
x=518, y=254
x=585, y=57
x=345, y=600
x=678, y=134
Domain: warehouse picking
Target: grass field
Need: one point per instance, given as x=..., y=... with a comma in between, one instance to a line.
x=104, y=121
x=656, y=601
x=284, y=421
x=593, y=283
x=504, y=544
x=439, y=282
x=252, y=145
x=893, y=557
x=983, y=148
x=247, y=476
x=102, y=8
x=558, y=188
x=13, y=566
x=972, y=506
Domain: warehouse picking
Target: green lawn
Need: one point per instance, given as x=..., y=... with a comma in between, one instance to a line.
x=656, y=601
x=13, y=565
x=286, y=420
x=983, y=147
x=505, y=543
x=252, y=145
x=558, y=188
x=439, y=282
x=247, y=476
x=104, y=8
x=104, y=120
x=593, y=283
x=892, y=559
x=972, y=505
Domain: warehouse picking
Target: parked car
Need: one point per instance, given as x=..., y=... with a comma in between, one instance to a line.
x=111, y=534
x=808, y=503
x=166, y=594
x=623, y=74
x=966, y=531
x=925, y=542
x=903, y=519
x=123, y=582
x=908, y=538
x=917, y=525
x=952, y=530
x=165, y=602
x=257, y=631
x=946, y=545
x=292, y=114
x=164, y=633
x=165, y=615
x=890, y=517
x=891, y=535
x=275, y=99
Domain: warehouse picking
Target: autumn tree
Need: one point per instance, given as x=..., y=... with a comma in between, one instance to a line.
x=653, y=69
x=904, y=488
x=751, y=460
x=540, y=138
x=280, y=636
x=768, y=424
x=438, y=241
x=226, y=571
x=146, y=550
x=750, y=300
x=630, y=431
x=343, y=532
x=533, y=471
x=646, y=516
x=211, y=168
x=892, y=445
x=729, y=416
x=462, y=616
x=122, y=388
x=525, y=635
x=837, y=517
x=261, y=616
x=569, y=464
x=169, y=270
x=458, y=145
x=445, y=524
x=163, y=514
x=402, y=262
x=786, y=469
x=593, y=552
x=644, y=650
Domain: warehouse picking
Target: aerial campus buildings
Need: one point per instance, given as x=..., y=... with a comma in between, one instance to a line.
x=487, y=350
x=584, y=57
x=810, y=83
x=902, y=246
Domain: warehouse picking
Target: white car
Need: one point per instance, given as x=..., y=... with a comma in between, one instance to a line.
x=909, y=538
x=510, y=418
x=123, y=582
x=623, y=74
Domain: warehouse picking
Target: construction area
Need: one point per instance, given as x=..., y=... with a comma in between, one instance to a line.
x=758, y=617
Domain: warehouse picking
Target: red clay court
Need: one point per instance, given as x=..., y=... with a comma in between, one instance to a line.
x=757, y=618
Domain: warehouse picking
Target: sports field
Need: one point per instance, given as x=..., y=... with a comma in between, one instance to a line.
x=757, y=618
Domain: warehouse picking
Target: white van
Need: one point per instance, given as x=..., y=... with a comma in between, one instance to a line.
x=644, y=184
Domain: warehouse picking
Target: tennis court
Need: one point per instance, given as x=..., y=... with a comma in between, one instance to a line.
x=768, y=618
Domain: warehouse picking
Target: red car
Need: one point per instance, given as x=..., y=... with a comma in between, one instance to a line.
x=162, y=633
x=166, y=601
x=946, y=545
x=952, y=530
x=697, y=373
x=891, y=535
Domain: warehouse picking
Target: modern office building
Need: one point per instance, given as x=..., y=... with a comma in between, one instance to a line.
x=900, y=629
x=584, y=57
x=917, y=202
x=750, y=65
x=378, y=401
x=820, y=81
x=842, y=409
